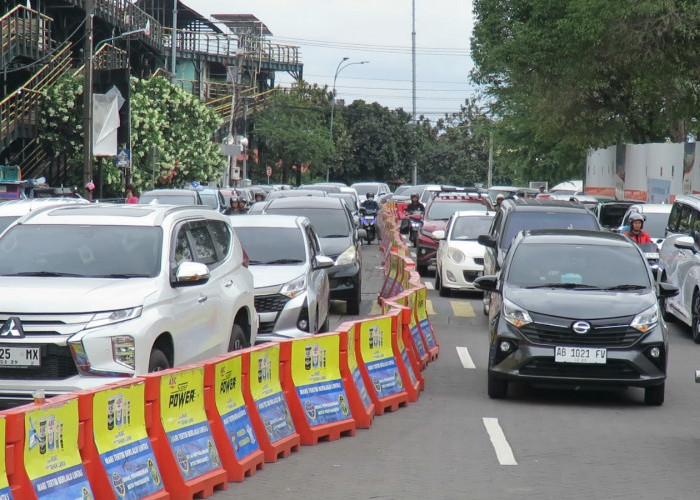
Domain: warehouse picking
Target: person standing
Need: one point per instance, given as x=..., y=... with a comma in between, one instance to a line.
x=130, y=196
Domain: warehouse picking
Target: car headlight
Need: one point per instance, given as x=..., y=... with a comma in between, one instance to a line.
x=646, y=320
x=349, y=256
x=294, y=287
x=111, y=317
x=515, y=315
x=456, y=255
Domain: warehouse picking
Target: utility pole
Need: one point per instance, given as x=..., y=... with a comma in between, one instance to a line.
x=413, y=58
x=87, y=90
x=173, y=46
x=489, y=177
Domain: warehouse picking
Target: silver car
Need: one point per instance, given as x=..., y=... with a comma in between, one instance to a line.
x=289, y=274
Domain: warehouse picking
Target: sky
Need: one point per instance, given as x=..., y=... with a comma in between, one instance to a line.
x=377, y=31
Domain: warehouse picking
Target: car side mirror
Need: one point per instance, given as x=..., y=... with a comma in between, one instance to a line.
x=439, y=234
x=323, y=262
x=685, y=243
x=487, y=283
x=190, y=274
x=487, y=240
x=666, y=290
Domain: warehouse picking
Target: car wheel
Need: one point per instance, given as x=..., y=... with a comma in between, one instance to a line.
x=654, y=395
x=696, y=318
x=237, y=340
x=158, y=361
x=353, y=305
x=497, y=388
x=438, y=283
x=422, y=269
x=444, y=291
x=325, y=325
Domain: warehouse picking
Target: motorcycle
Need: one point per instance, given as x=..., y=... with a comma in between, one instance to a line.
x=651, y=254
x=368, y=221
x=416, y=221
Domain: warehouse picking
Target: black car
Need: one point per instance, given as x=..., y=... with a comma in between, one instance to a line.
x=576, y=309
x=339, y=240
x=517, y=214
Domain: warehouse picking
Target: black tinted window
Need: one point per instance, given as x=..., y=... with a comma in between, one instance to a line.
x=203, y=244
x=521, y=221
x=221, y=235
x=272, y=245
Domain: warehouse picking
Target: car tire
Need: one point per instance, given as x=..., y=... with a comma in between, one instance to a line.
x=158, y=361
x=654, y=395
x=438, y=283
x=237, y=340
x=352, y=306
x=444, y=291
x=497, y=388
x=695, y=324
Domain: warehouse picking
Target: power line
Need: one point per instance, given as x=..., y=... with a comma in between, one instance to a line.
x=391, y=49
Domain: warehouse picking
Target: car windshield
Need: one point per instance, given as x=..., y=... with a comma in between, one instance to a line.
x=174, y=199
x=272, y=245
x=210, y=199
x=443, y=210
x=404, y=190
x=521, y=221
x=328, y=223
x=578, y=266
x=469, y=228
x=611, y=215
x=81, y=250
x=655, y=224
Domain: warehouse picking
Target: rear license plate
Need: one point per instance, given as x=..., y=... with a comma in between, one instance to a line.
x=20, y=356
x=590, y=355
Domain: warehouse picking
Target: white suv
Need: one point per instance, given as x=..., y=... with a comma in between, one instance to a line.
x=94, y=292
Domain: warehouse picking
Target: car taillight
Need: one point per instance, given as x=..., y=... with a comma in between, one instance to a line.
x=246, y=260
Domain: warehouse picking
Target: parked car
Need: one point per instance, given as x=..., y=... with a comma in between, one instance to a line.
x=292, y=294
x=12, y=210
x=339, y=238
x=656, y=216
x=170, y=197
x=93, y=293
x=460, y=258
x=576, y=309
x=519, y=214
x=381, y=191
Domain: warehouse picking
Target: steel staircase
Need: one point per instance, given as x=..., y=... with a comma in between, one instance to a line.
x=24, y=33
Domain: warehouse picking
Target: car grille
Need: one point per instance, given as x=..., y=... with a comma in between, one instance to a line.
x=613, y=369
x=479, y=261
x=56, y=364
x=270, y=303
x=471, y=275
x=606, y=332
x=49, y=324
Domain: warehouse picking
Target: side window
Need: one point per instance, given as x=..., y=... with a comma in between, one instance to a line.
x=204, y=249
x=674, y=218
x=695, y=224
x=183, y=252
x=684, y=220
x=221, y=234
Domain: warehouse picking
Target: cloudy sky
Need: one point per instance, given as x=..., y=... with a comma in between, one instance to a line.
x=378, y=31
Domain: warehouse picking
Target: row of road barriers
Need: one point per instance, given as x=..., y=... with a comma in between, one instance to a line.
x=189, y=431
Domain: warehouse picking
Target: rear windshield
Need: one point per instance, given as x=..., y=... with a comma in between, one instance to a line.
x=522, y=221
x=327, y=223
x=443, y=210
x=210, y=199
x=176, y=199
x=363, y=189
x=656, y=224
x=272, y=245
x=611, y=215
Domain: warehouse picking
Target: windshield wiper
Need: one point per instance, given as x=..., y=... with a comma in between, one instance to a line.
x=565, y=285
x=45, y=273
x=120, y=275
x=285, y=261
x=625, y=287
x=334, y=236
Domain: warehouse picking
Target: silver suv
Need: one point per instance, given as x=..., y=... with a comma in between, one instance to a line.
x=90, y=293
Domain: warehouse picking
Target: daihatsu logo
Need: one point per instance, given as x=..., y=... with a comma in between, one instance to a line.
x=581, y=327
x=12, y=328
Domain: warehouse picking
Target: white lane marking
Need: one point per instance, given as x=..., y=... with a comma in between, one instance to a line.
x=465, y=358
x=499, y=442
x=429, y=285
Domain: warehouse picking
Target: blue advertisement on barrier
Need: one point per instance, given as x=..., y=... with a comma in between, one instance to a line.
x=415, y=333
x=385, y=377
x=409, y=367
x=275, y=416
x=194, y=450
x=360, y=384
x=240, y=432
x=132, y=470
x=324, y=402
x=5, y=494
x=67, y=484
x=427, y=332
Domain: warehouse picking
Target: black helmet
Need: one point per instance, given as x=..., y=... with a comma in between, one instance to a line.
x=370, y=196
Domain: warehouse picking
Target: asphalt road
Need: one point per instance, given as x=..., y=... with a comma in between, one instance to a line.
x=456, y=443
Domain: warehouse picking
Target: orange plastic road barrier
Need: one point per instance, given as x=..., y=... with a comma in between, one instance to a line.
x=379, y=366
x=421, y=316
x=43, y=443
x=180, y=434
x=314, y=388
x=4, y=465
x=389, y=284
x=406, y=342
x=361, y=404
x=117, y=453
x=415, y=340
x=405, y=357
x=229, y=418
x=271, y=418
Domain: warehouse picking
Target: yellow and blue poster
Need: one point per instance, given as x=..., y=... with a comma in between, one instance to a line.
x=316, y=376
x=185, y=422
x=415, y=332
x=355, y=369
x=231, y=407
x=404, y=357
x=267, y=392
x=5, y=493
x=119, y=430
x=378, y=355
x=51, y=457
x=425, y=326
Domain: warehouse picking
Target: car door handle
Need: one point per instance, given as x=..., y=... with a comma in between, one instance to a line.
x=228, y=284
x=202, y=298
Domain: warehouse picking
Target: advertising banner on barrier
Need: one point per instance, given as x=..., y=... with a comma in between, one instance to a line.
x=404, y=357
x=355, y=370
x=51, y=456
x=267, y=393
x=185, y=422
x=423, y=320
x=315, y=366
x=4, y=484
x=231, y=407
x=120, y=436
x=378, y=356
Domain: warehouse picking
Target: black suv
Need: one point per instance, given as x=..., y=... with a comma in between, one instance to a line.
x=519, y=214
x=576, y=309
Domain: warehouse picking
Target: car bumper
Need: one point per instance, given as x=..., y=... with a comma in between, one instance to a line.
x=426, y=254
x=279, y=315
x=459, y=277
x=344, y=281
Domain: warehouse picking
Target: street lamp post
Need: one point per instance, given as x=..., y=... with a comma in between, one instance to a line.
x=338, y=69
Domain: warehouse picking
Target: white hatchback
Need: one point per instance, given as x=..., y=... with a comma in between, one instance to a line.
x=460, y=257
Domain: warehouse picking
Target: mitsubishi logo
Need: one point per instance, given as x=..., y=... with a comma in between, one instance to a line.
x=581, y=327
x=12, y=328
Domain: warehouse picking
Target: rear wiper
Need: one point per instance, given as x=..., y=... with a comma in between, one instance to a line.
x=285, y=261
x=625, y=287
x=565, y=285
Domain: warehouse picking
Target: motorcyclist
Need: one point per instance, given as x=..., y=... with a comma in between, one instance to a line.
x=369, y=205
x=232, y=208
x=636, y=232
x=415, y=205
